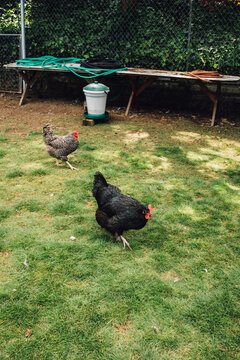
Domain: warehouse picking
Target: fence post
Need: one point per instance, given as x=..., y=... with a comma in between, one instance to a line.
x=20, y=80
x=189, y=32
x=23, y=43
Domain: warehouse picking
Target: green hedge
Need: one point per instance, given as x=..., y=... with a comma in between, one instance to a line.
x=152, y=34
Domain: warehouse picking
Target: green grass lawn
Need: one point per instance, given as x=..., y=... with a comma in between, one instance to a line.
x=174, y=296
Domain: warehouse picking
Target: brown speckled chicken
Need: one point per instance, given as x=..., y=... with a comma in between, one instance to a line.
x=58, y=146
x=117, y=212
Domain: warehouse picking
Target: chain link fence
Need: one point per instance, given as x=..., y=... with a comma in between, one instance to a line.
x=9, y=80
x=10, y=47
x=169, y=34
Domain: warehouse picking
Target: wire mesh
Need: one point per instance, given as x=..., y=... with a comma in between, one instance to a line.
x=215, y=41
x=10, y=47
x=9, y=44
x=169, y=34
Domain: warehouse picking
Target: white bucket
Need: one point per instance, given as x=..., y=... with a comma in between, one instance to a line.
x=96, y=101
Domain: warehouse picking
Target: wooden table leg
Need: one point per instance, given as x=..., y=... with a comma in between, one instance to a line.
x=129, y=103
x=30, y=80
x=217, y=98
x=136, y=92
x=133, y=82
x=145, y=85
x=25, y=77
x=213, y=97
x=24, y=94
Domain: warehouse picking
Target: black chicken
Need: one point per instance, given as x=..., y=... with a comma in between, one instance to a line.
x=58, y=146
x=117, y=212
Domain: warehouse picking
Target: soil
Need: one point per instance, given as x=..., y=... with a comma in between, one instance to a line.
x=35, y=112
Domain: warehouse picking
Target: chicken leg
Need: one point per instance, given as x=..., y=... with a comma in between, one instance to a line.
x=71, y=167
x=121, y=238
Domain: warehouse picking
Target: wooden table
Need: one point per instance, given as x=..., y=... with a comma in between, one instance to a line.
x=31, y=74
x=152, y=75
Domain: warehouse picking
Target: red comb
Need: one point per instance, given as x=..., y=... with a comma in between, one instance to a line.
x=76, y=131
x=150, y=209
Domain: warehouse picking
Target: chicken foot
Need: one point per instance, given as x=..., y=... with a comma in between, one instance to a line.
x=71, y=167
x=121, y=238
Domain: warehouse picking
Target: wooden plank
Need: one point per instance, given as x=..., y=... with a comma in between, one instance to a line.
x=215, y=98
x=24, y=94
x=164, y=74
x=214, y=113
x=129, y=103
x=88, y=122
x=36, y=77
x=144, y=86
x=218, y=94
x=30, y=80
x=133, y=73
x=136, y=92
x=134, y=85
x=23, y=75
x=211, y=96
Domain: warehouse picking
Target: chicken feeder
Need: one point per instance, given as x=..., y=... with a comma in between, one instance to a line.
x=96, y=98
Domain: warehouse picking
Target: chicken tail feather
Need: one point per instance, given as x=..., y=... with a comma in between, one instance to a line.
x=98, y=183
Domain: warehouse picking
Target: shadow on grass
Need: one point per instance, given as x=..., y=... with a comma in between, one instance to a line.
x=88, y=293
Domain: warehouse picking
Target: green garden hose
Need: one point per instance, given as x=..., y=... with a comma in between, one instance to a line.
x=52, y=62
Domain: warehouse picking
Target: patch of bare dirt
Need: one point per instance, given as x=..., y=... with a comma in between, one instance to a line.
x=123, y=327
x=4, y=253
x=64, y=114
x=88, y=203
x=35, y=113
